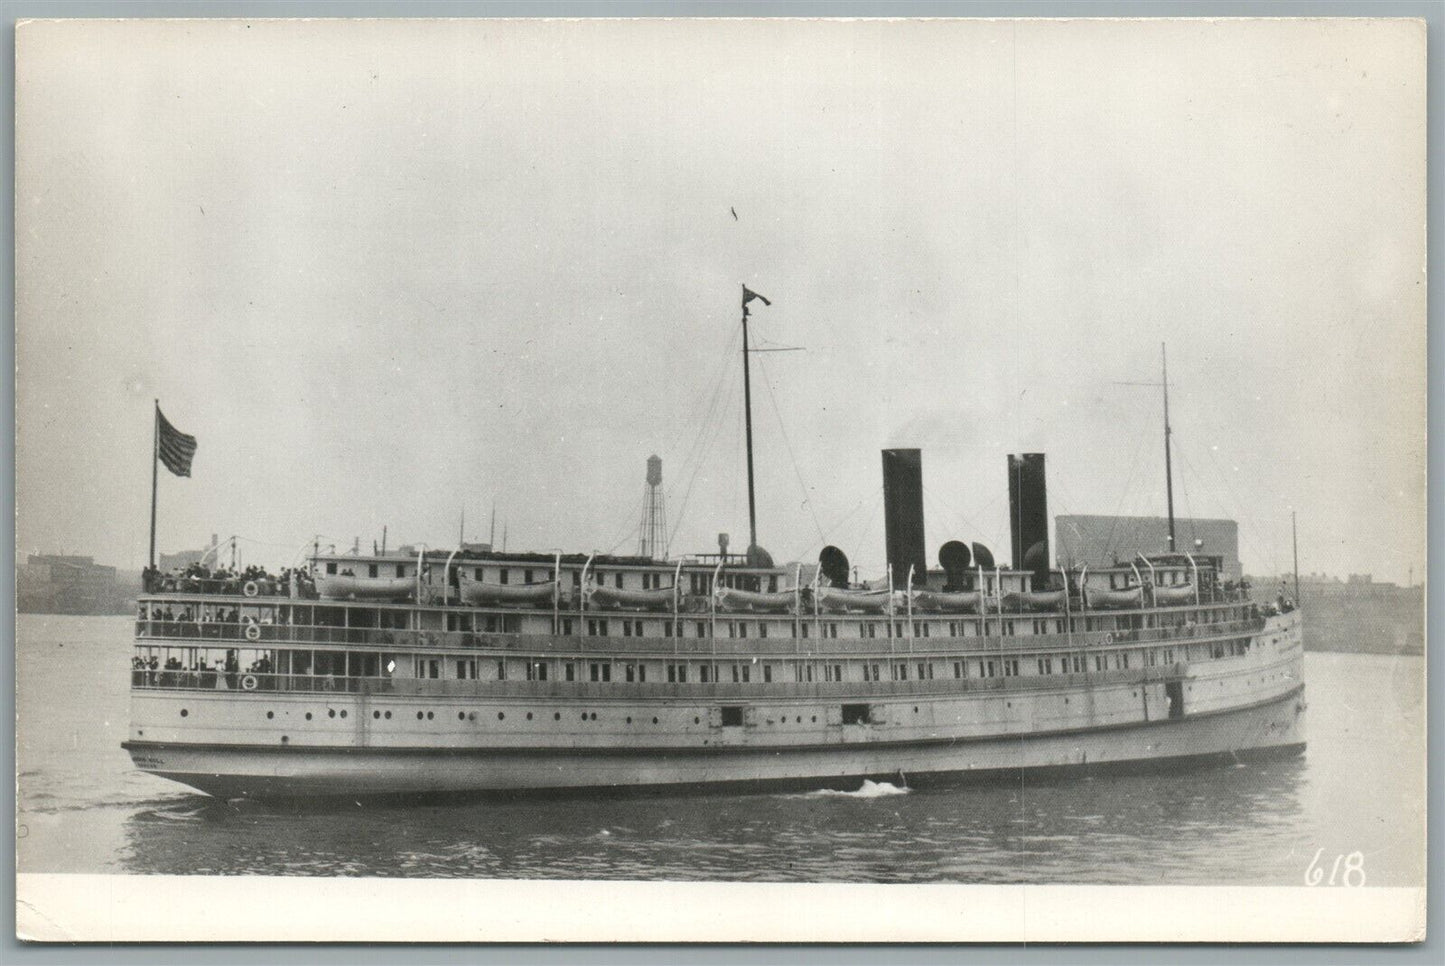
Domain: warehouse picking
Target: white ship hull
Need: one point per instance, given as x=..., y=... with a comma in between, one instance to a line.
x=1271, y=729
x=499, y=737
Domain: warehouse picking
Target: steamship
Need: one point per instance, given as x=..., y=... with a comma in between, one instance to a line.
x=472, y=670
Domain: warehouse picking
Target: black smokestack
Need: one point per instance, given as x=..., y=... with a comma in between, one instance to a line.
x=903, y=513
x=1028, y=504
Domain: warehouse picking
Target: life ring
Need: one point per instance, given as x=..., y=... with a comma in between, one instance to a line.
x=253, y=632
x=251, y=589
x=249, y=682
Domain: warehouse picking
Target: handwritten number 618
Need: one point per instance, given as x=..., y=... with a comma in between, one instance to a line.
x=1347, y=870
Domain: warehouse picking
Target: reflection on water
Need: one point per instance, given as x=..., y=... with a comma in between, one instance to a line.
x=84, y=808
x=1197, y=827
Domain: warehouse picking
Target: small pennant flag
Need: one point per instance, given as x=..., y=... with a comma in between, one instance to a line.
x=749, y=295
x=174, y=447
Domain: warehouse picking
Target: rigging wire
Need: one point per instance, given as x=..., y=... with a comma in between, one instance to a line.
x=1109, y=545
x=707, y=434
x=783, y=430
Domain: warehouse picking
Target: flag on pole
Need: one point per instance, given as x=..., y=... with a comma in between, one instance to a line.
x=174, y=447
x=749, y=295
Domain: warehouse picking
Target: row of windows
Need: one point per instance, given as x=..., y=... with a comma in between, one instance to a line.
x=163, y=664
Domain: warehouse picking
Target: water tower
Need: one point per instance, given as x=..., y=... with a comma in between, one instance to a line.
x=653, y=540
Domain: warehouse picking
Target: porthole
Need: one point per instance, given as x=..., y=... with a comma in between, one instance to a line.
x=461, y=716
x=284, y=739
x=343, y=712
x=594, y=716
x=584, y=716
x=654, y=721
x=376, y=714
x=184, y=713
x=308, y=716
x=270, y=715
x=419, y=716
x=471, y=716
x=529, y=716
x=697, y=720
x=800, y=719
x=556, y=716
x=815, y=719
x=915, y=708
x=1066, y=701
x=501, y=715
x=629, y=719
x=387, y=716
x=330, y=712
x=430, y=716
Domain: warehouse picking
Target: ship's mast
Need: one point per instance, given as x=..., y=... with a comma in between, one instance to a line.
x=748, y=423
x=1168, y=459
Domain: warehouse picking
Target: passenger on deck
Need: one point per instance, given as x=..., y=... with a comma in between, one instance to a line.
x=233, y=669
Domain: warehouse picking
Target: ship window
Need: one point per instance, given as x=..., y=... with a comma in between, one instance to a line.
x=401, y=570
x=855, y=714
x=924, y=671
x=331, y=567
x=526, y=576
x=576, y=578
x=747, y=673
x=702, y=674
x=767, y=674
x=958, y=669
x=505, y=575
x=637, y=628
x=627, y=628
x=630, y=672
x=805, y=630
x=371, y=570
x=501, y=670
x=477, y=574
x=701, y=629
x=617, y=579
x=762, y=629
x=536, y=671
x=570, y=672
x=773, y=584
x=1011, y=667
x=732, y=717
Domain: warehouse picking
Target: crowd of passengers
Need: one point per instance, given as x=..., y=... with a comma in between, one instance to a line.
x=253, y=581
x=199, y=675
x=189, y=621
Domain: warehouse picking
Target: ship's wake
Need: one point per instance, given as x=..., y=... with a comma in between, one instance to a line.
x=869, y=789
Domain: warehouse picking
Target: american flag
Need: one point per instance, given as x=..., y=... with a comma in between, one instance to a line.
x=174, y=447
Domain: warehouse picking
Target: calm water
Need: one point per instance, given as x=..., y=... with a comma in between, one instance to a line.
x=83, y=808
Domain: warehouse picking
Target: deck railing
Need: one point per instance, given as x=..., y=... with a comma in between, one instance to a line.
x=213, y=680
x=257, y=635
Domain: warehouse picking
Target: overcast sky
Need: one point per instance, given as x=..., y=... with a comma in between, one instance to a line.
x=386, y=271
